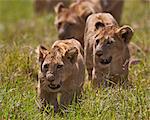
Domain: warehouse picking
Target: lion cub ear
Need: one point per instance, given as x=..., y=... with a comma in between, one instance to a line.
x=126, y=33
x=99, y=25
x=42, y=52
x=85, y=13
x=58, y=8
x=72, y=54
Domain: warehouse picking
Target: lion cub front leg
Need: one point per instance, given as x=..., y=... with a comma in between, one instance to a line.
x=53, y=101
x=47, y=98
x=66, y=98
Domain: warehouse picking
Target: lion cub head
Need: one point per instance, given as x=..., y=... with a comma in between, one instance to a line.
x=112, y=53
x=111, y=43
x=70, y=22
x=56, y=66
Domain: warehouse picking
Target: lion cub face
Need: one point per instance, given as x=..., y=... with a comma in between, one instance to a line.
x=111, y=44
x=68, y=23
x=56, y=66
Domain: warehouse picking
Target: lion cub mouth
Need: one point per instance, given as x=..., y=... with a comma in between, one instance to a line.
x=54, y=87
x=106, y=61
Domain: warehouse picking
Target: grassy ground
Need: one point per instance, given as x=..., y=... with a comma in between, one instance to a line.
x=21, y=31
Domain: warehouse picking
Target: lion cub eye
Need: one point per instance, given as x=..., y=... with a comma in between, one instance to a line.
x=97, y=41
x=46, y=66
x=59, y=25
x=59, y=66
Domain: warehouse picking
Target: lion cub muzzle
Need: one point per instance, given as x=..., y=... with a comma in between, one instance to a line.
x=53, y=84
x=101, y=51
x=61, y=34
x=103, y=60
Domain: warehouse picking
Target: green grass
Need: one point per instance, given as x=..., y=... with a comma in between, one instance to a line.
x=20, y=33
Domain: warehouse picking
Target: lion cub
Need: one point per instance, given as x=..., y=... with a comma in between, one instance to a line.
x=95, y=22
x=111, y=55
x=61, y=71
x=70, y=22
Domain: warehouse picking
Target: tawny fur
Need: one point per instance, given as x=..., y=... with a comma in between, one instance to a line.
x=96, y=22
x=111, y=44
x=70, y=22
x=66, y=69
x=114, y=7
x=93, y=24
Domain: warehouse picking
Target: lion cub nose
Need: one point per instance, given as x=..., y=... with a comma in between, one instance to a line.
x=61, y=34
x=50, y=77
x=99, y=53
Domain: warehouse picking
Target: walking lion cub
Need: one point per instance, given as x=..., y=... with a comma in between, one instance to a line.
x=111, y=55
x=61, y=71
